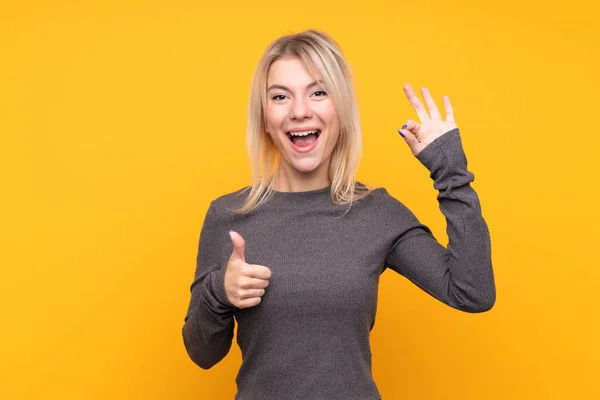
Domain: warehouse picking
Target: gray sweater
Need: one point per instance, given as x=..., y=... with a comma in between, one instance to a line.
x=309, y=336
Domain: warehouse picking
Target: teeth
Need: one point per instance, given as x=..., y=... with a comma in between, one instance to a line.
x=304, y=133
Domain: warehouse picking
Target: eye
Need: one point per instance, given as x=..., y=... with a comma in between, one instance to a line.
x=278, y=97
x=323, y=93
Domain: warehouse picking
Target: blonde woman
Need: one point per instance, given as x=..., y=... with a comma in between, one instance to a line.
x=296, y=257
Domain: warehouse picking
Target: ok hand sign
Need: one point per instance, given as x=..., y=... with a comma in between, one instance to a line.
x=432, y=126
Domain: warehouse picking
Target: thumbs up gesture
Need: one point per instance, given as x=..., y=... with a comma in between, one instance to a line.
x=244, y=283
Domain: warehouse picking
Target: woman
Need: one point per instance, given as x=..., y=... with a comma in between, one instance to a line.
x=296, y=257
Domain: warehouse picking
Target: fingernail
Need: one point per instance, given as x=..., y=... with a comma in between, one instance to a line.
x=230, y=234
x=404, y=126
x=400, y=132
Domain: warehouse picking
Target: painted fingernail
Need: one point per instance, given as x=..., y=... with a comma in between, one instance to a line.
x=404, y=126
x=400, y=132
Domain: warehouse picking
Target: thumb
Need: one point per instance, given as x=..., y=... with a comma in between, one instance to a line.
x=239, y=245
x=408, y=132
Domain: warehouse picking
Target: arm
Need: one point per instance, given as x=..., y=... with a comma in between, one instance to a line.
x=209, y=322
x=461, y=275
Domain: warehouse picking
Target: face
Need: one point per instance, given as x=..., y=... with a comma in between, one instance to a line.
x=301, y=120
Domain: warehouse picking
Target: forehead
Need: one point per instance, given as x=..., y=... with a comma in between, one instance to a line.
x=290, y=70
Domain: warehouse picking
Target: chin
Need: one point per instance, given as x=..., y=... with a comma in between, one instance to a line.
x=306, y=167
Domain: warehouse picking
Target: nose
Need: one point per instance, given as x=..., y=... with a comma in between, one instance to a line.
x=300, y=109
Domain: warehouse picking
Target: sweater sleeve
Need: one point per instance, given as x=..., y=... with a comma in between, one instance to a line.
x=209, y=322
x=460, y=275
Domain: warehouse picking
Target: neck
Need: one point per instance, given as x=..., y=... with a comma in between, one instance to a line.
x=291, y=180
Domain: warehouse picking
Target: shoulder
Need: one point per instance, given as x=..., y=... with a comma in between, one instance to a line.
x=375, y=193
x=230, y=201
x=380, y=208
x=386, y=202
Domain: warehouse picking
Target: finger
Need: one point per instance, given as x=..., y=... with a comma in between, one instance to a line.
x=246, y=303
x=433, y=110
x=413, y=126
x=448, y=108
x=254, y=283
x=250, y=293
x=416, y=103
x=239, y=246
x=258, y=271
x=410, y=139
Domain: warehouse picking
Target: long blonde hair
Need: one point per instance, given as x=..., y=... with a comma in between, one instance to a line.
x=324, y=61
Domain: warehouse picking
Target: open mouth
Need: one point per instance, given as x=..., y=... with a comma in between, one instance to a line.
x=305, y=138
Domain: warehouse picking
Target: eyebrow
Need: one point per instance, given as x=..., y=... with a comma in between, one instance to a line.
x=310, y=85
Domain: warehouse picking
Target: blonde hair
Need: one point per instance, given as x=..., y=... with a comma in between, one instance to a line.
x=325, y=62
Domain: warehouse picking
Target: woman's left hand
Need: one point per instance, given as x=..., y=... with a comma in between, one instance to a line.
x=432, y=126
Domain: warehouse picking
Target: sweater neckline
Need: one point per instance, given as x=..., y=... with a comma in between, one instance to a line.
x=308, y=194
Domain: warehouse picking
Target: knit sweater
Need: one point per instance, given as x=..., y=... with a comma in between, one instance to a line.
x=309, y=336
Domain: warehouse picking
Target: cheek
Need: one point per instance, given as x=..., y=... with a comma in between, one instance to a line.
x=329, y=115
x=333, y=122
x=333, y=140
x=276, y=139
x=334, y=126
x=269, y=120
x=275, y=116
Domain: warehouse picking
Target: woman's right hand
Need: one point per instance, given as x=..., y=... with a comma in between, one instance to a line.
x=244, y=283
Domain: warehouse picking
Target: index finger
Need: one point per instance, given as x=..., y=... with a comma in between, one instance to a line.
x=259, y=271
x=416, y=103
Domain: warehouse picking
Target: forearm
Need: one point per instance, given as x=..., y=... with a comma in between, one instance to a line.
x=208, y=328
x=468, y=254
x=460, y=274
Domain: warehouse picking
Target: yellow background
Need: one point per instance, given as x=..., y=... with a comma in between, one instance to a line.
x=121, y=120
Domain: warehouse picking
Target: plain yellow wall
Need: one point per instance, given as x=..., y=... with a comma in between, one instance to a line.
x=121, y=120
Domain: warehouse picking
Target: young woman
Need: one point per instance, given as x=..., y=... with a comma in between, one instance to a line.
x=296, y=257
